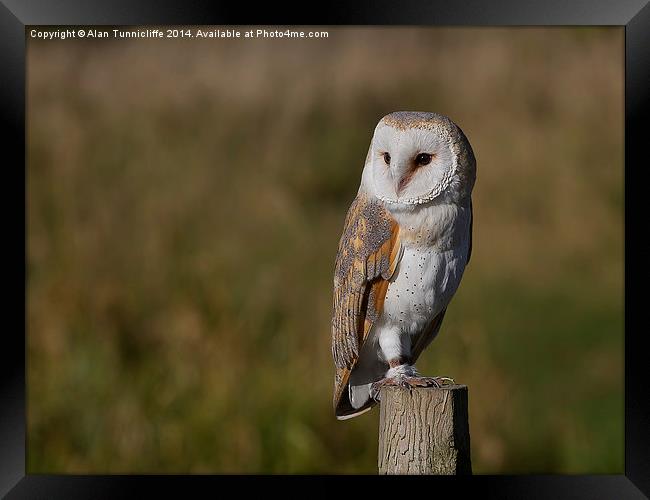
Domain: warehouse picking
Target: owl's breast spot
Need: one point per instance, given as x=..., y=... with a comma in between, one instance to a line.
x=425, y=279
x=414, y=295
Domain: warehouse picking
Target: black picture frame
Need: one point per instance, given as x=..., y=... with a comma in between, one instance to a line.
x=15, y=15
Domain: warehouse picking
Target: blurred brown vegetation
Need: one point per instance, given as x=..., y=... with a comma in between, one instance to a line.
x=185, y=200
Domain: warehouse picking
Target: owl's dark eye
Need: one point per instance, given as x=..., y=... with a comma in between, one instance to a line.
x=423, y=159
x=386, y=158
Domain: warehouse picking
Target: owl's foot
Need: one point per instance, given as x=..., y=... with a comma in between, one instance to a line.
x=430, y=381
x=408, y=382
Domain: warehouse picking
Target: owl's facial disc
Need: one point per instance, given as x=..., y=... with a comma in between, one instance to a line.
x=411, y=166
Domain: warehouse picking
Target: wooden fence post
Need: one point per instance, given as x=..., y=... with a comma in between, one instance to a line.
x=424, y=431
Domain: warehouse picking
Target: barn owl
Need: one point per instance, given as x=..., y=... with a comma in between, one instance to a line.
x=406, y=241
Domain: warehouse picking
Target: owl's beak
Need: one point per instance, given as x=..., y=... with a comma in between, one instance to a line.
x=404, y=175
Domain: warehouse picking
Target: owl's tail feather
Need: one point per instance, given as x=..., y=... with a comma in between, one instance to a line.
x=352, y=415
x=355, y=401
x=359, y=395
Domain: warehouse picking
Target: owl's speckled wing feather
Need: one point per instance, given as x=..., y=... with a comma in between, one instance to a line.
x=368, y=253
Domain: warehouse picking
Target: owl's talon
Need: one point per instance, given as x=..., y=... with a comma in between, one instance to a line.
x=407, y=382
x=437, y=382
x=375, y=388
x=447, y=380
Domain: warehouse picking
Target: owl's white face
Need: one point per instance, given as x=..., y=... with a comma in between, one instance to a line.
x=413, y=158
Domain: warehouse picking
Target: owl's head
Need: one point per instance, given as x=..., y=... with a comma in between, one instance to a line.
x=417, y=157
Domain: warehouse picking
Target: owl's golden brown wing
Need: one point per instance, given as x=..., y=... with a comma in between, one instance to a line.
x=368, y=253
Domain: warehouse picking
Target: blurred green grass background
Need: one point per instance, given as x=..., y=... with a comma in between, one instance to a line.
x=185, y=200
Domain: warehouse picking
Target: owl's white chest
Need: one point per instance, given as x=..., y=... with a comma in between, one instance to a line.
x=436, y=244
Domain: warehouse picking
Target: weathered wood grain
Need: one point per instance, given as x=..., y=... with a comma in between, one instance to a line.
x=424, y=431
